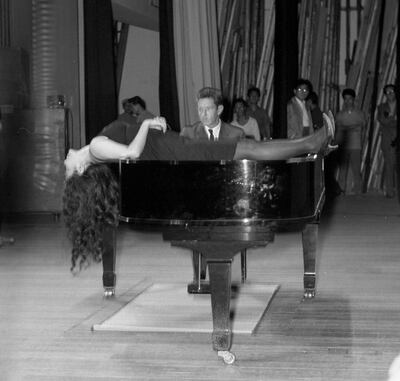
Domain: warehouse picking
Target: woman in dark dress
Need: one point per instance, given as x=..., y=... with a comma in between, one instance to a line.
x=91, y=192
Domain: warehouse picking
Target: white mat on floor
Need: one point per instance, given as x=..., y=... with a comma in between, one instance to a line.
x=167, y=307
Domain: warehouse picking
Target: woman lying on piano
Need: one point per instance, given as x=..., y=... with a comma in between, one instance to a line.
x=91, y=192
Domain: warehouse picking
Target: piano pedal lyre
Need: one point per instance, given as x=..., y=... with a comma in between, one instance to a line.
x=200, y=269
x=243, y=265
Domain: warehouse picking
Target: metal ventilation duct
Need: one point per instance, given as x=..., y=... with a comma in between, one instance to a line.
x=43, y=52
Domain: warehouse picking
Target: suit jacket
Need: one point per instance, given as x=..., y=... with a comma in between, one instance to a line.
x=227, y=131
x=295, y=120
x=384, y=119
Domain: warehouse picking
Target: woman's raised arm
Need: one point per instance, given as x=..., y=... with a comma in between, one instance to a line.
x=104, y=149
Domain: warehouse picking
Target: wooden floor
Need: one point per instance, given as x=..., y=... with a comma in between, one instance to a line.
x=350, y=331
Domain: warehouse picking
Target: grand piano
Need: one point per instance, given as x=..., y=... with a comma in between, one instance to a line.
x=220, y=209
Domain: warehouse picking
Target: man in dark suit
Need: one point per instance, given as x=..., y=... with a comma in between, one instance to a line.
x=210, y=126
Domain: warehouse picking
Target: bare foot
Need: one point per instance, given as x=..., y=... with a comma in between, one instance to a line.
x=329, y=126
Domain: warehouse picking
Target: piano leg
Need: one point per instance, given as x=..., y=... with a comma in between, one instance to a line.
x=310, y=238
x=220, y=281
x=108, y=259
x=219, y=255
x=243, y=265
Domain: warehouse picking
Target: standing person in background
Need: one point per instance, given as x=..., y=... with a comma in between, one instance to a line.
x=242, y=120
x=299, y=120
x=127, y=115
x=211, y=127
x=139, y=110
x=127, y=107
x=258, y=113
x=350, y=127
x=387, y=117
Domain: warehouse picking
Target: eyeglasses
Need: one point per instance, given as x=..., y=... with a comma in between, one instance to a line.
x=302, y=90
x=389, y=92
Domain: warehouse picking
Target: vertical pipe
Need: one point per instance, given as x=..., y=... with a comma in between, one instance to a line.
x=43, y=52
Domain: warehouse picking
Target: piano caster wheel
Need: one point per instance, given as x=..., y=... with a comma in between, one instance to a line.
x=228, y=357
x=309, y=294
x=109, y=292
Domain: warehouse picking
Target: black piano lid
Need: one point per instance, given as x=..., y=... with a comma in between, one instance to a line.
x=238, y=192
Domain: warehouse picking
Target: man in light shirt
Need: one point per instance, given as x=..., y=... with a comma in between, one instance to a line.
x=299, y=121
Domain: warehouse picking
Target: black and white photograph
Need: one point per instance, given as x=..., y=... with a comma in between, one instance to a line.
x=203, y=190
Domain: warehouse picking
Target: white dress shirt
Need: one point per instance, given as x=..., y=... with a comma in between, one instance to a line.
x=215, y=130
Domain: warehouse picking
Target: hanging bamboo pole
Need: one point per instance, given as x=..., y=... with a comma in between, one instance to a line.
x=232, y=81
x=260, y=34
x=222, y=7
x=225, y=45
x=246, y=46
x=266, y=43
x=268, y=99
x=253, y=41
x=239, y=72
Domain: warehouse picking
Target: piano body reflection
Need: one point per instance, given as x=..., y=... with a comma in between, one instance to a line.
x=220, y=209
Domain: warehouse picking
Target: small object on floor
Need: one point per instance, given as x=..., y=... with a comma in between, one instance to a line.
x=394, y=370
x=6, y=241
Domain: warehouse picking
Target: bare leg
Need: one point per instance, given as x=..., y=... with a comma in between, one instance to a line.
x=281, y=149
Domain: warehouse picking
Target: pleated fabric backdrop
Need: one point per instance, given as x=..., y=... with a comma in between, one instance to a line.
x=168, y=93
x=196, y=55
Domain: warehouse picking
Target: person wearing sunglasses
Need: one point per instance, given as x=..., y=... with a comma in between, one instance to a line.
x=351, y=122
x=299, y=121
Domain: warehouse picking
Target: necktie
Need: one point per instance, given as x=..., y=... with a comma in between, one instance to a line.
x=211, y=134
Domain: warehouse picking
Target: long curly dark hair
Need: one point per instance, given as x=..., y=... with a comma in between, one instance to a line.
x=90, y=204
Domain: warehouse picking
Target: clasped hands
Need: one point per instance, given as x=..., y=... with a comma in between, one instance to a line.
x=157, y=123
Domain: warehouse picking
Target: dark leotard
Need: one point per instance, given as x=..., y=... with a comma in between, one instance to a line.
x=169, y=145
